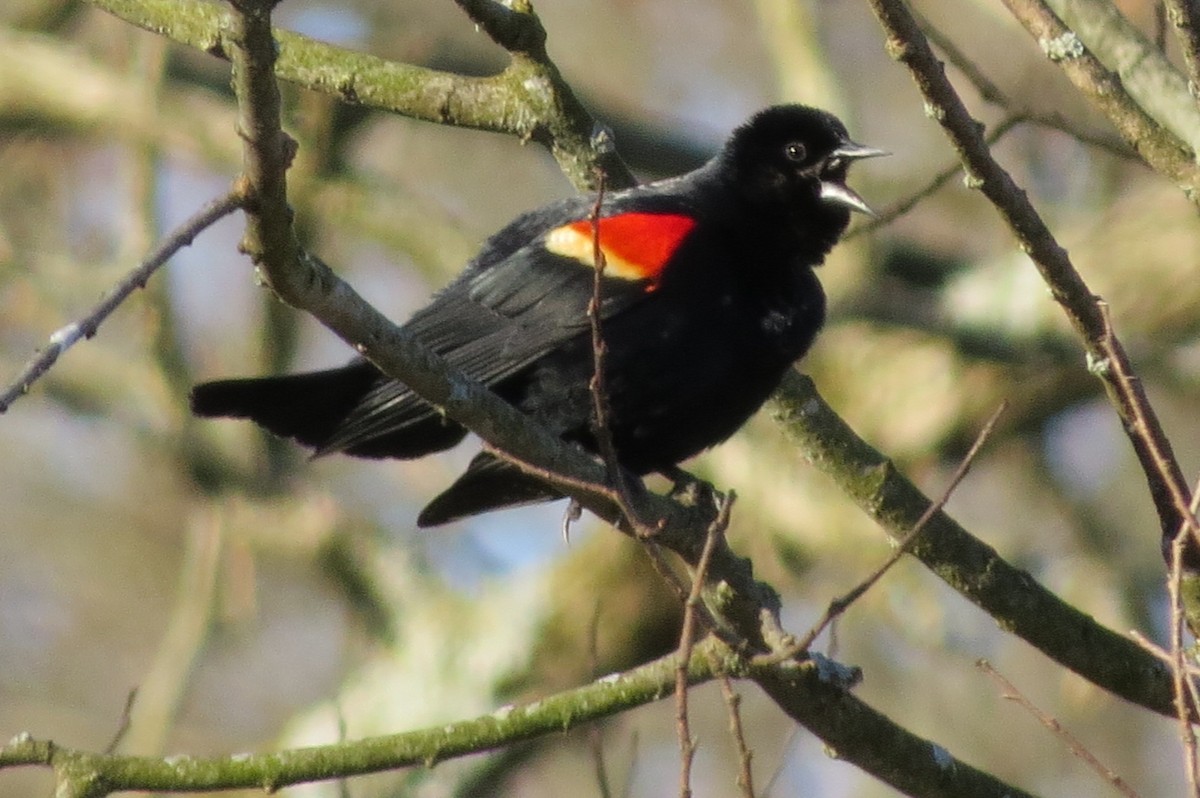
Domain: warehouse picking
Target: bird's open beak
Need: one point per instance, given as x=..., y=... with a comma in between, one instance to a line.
x=839, y=193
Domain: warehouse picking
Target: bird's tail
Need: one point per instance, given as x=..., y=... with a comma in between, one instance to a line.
x=487, y=484
x=323, y=409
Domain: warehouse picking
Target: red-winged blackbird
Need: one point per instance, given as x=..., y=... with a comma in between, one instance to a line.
x=708, y=296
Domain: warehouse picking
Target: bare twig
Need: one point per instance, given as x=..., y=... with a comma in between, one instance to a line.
x=124, y=723
x=906, y=204
x=745, y=778
x=597, y=387
x=1161, y=653
x=842, y=603
x=1186, y=705
x=691, y=610
x=596, y=732
x=1020, y=604
x=1170, y=493
x=1073, y=744
x=783, y=759
x=617, y=476
x=64, y=338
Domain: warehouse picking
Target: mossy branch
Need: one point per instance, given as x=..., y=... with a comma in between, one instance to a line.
x=529, y=99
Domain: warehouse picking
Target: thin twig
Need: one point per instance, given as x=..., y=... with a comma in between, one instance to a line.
x=601, y=429
x=1154, y=450
x=596, y=730
x=691, y=609
x=124, y=723
x=1185, y=688
x=745, y=778
x=1183, y=707
x=1188, y=703
x=598, y=489
x=1073, y=744
x=783, y=759
x=64, y=338
x=1159, y=652
x=597, y=386
x=939, y=180
x=842, y=603
x=627, y=787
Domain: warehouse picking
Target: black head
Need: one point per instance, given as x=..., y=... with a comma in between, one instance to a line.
x=792, y=161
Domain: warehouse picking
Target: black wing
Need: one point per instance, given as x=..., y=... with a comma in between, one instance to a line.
x=492, y=322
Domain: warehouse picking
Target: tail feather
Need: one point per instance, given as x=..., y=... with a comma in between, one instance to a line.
x=487, y=484
x=313, y=409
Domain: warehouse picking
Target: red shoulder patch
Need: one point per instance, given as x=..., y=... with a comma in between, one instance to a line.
x=636, y=246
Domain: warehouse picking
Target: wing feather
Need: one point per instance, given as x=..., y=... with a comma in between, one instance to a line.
x=490, y=324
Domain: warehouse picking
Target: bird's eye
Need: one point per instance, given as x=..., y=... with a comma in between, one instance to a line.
x=795, y=151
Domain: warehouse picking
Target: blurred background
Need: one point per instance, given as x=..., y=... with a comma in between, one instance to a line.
x=257, y=600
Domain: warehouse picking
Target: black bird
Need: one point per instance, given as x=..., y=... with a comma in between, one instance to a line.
x=708, y=295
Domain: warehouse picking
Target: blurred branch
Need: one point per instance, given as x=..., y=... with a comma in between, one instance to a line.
x=1018, y=603
x=529, y=99
x=791, y=34
x=993, y=94
x=183, y=638
x=1086, y=312
x=1156, y=144
x=1185, y=17
x=1144, y=70
x=1077, y=748
x=65, y=337
x=733, y=702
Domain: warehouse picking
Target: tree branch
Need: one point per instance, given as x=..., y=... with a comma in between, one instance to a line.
x=1142, y=66
x=1085, y=311
x=94, y=774
x=1017, y=602
x=66, y=337
x=529, y=99
x=812, y=695
x=1161, y=149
